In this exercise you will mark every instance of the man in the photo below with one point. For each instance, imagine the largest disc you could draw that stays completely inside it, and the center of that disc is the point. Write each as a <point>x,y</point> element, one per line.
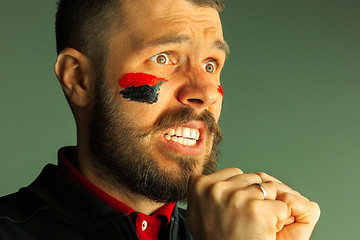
<point>143,81</point>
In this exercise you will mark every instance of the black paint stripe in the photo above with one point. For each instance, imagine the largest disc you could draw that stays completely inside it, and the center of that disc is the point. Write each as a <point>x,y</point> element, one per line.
<point>145,93</point>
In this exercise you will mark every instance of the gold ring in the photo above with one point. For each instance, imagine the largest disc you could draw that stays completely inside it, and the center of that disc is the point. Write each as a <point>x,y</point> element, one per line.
<point>262,189</point>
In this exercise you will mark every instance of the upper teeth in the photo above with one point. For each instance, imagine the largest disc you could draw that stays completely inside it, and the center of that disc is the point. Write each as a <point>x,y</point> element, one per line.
<point>184,136</point>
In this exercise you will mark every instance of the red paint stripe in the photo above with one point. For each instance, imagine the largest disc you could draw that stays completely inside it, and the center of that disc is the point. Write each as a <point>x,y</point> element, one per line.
<point>220,90</point>
<point>138,79</point>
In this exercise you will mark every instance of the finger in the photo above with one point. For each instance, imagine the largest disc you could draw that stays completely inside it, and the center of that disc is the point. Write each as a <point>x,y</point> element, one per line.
<point>224,174</point>
<point>305,214</point>
<point>237,188</point>
<point>290,220</point>
<point>222,190</point>
<point>200,183</point>
<point>266,177</point>
<point>252,192</point>
<point>243,180</point>
<point>267,192</point>
<point>238,182</point>
<point>303,210</point>
<point>282,188</point>
<point>220,175</point>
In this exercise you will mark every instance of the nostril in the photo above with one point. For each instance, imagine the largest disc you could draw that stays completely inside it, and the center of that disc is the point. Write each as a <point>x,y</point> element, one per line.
<point>195,100</point>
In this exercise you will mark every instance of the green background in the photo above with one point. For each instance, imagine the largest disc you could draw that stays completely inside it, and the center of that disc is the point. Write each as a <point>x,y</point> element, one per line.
<point>291,105</point>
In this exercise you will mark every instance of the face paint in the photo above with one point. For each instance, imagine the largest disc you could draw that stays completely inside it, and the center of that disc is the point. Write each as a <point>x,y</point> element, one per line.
<point>220,91</point>
<point>141,87</point>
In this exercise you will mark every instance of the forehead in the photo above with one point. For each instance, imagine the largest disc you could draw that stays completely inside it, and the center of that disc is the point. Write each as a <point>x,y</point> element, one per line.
<point>151,19</point>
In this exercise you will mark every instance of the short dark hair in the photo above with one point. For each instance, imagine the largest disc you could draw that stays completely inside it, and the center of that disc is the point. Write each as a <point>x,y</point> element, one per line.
<point>217,4</point>
<point>88,25</point>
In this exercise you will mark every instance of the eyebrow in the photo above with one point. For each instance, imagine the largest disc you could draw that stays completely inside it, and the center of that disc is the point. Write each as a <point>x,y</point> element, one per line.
<point>165,40</point>
<point>223,46</point>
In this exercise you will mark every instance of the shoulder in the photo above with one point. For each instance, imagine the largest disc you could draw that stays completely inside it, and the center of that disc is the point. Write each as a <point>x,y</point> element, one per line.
<point>16,210</point>
<point>19,206</point>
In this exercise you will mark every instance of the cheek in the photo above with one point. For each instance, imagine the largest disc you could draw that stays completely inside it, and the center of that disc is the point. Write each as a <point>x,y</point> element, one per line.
<point>141,87</point>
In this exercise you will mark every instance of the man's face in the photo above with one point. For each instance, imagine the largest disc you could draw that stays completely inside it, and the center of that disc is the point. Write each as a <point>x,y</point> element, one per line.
<point>155,113</point>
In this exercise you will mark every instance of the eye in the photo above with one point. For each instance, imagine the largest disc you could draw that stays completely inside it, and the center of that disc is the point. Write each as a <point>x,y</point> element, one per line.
<point>162,58</point>
<point>209,67</point>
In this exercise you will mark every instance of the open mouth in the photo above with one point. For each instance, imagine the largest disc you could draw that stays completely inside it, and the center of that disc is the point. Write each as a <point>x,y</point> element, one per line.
<point>183,135</point>
<point>187,139</point>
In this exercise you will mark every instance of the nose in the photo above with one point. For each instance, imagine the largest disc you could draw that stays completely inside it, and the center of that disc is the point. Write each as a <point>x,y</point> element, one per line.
<point>200,92</point>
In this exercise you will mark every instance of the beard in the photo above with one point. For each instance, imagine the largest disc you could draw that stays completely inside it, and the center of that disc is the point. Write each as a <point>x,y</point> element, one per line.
<point>123,155</point>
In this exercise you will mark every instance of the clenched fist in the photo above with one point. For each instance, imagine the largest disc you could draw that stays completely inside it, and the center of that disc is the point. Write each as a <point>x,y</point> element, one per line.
<point>228,205</point>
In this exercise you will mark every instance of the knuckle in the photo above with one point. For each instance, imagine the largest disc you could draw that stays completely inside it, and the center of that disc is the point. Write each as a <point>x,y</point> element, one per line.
<point>255,209</point>
<point>237,170</point>
<point>296,193</point>
<point>289,197</point>
<point>254,177</point>
<point>285,197</point>
<point>216,190</point>
<point>199,180</point>
<point>237,198</point>
<point>282,205</point>
<point>266,177</point>
<point>262,174</point>
<point>316,208</point>
<point>198,183</point>
<point>272,184</point>
<point>284,211</point>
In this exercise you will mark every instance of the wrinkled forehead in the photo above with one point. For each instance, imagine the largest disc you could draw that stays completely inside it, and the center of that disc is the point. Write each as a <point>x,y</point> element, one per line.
<point>159,8</point>
<point>145,17</point>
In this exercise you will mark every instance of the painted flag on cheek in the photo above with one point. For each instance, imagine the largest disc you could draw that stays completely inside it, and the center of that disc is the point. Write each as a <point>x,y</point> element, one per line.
<point>141,87</point>
<point>220,90</point>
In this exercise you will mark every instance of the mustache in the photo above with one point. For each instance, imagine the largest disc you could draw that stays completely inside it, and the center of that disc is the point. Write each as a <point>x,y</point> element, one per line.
<point>178,116</point>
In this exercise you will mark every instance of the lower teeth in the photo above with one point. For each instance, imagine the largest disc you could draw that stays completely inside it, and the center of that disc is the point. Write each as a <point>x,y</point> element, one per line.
<point>181,140</point>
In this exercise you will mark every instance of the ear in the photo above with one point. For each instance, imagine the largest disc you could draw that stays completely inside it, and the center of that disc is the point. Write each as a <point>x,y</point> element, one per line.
<point>73,70</point>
